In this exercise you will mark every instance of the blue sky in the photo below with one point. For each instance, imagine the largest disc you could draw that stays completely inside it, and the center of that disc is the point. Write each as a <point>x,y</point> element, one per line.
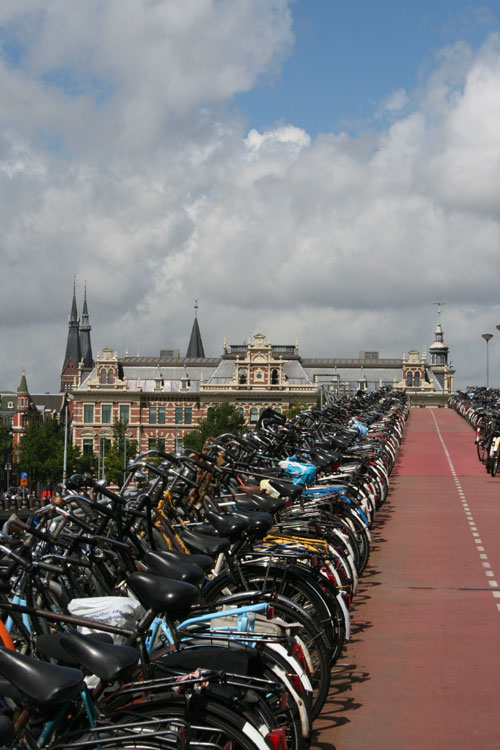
<point>122,164</point>
<point>350,55</point>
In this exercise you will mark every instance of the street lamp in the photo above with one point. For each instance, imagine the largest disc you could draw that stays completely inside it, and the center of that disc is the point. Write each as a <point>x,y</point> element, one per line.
<point>487,337</point>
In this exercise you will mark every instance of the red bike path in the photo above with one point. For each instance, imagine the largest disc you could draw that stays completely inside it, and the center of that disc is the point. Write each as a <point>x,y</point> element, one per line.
<point>422,669</point>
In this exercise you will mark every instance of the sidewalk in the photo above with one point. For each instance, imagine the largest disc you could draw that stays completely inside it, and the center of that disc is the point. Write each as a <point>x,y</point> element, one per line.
<point>423,669</point>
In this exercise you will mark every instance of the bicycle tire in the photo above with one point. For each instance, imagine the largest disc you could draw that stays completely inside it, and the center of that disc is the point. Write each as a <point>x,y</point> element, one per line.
<point>210,722</point>
<point>481,451</point>
<point>298,587</point>
<point>494,463</point>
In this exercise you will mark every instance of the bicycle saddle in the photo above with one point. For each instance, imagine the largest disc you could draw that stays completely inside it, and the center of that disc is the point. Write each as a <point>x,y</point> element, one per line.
<point>205,562</point>
<point>259,502</point>
<point>259,522</point>
<point>179,570</point>
<point>173,598</point>
<point>207,545</point>
<point>286,489</point>
<point>42,682</point>
<point>106,660</point>
<point>227,524</point>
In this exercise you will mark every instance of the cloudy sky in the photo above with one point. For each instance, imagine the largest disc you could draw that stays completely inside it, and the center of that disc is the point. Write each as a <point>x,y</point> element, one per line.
<point>320,169</point>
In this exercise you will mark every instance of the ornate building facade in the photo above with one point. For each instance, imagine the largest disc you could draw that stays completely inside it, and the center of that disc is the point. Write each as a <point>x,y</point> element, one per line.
<point>163,398</point>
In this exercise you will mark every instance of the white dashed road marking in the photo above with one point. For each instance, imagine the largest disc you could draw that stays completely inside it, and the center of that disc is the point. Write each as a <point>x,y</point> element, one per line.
<point>472,525</point>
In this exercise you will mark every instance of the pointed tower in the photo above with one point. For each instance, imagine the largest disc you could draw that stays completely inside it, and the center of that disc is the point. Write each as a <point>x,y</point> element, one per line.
<point>85,328</point>
<point>195,348</point>
<point>438,352</point>
<point>69,372</point>
<point>25,410</point>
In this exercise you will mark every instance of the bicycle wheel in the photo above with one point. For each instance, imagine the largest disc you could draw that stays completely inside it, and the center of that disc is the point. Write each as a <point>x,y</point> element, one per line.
<point>289,581</point>
<point>210,723</point>
<point>481,451</point>
<point>318,649</point>
<point>494,463</point>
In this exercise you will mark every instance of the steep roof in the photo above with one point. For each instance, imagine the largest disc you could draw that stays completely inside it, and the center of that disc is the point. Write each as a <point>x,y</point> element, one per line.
<point>85,328</point>
<point>23,385</point>
<point>195,348</point>
<point>73,350</point>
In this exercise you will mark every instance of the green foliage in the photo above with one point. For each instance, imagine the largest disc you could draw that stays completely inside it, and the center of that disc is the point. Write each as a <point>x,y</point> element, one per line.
<point>41,453</point>
<point>295,408</point>
<point>118,455</point>
<point>5,440</point>
<point>220,419</point>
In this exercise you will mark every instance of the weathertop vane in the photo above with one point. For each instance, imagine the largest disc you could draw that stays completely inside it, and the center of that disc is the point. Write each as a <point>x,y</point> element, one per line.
<point>440,305</point>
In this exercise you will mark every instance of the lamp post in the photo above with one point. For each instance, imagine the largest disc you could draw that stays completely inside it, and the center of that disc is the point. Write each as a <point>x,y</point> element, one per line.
<point>487,337</point>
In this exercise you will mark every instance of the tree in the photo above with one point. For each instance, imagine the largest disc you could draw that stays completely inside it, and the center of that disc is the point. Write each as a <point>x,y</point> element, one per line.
<point>220,419</point>
<point>41,450</point>
<point>295,408</point>
<point>5,440</point>
<point>118,453</point>
<point>41,453</point>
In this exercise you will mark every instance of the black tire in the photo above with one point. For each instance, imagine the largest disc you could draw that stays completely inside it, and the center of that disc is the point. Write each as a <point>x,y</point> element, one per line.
<point>481,451</point>
<point>210,722</point>
<point>290,582</point>
<point>494,463</point>
<point>319,649</point>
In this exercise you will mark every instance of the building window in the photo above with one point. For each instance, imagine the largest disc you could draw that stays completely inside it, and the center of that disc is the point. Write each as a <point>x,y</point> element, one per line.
<point>409,379</point>
<point>178,444</point>
<point>161,415</point>
<point>416,380</point>
<point>151,444</point>
<point>88,413</point>
<point>188,415</point>
<point>111,377</point>
<point>102,378</point>
<point>274,377</point>
<point>161,444</point>
<point>152,415</point>
<point>88,445</point>
<point>242,377</point>
<point>178,414</point>
<point>124,413</point>
<point>254,415</point>
<point>106,413</point>
<point>239,410</point>
<point>10,405</point>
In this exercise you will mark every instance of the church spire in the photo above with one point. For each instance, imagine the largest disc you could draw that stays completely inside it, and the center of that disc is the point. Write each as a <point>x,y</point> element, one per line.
<point>85,328</point>
<point>73,351</point>
<point>195,347</point>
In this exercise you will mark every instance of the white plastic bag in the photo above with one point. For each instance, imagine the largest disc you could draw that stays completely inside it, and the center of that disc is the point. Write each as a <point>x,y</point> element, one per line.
<point>120,611</point>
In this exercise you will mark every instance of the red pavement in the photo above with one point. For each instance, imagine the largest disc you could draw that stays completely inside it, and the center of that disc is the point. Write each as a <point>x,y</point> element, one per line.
<point>423,669</point>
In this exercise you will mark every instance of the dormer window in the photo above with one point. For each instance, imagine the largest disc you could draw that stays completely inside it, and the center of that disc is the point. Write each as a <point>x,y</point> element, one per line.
<point>102,377</point>
<point>275,378</point>
<point>111,377</point>
<point>242,378</point>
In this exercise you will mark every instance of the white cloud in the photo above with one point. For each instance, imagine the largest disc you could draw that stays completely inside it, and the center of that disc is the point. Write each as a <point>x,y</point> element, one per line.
<point>397,101</point>
<point>156,196</point>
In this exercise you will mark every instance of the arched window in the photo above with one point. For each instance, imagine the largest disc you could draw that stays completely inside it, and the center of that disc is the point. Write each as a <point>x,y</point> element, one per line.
<point>111,377</point>
<point>416,380</point>
<point>275,377</point>
<point>409,379</point>
<point>239,410</point>
<point>242,377</point>
<point>102,378</point>
<point>254,415</point>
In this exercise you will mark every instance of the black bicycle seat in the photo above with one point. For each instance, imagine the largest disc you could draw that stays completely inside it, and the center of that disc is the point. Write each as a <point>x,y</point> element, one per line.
<point>179,570</point>
<point>42,682</point>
